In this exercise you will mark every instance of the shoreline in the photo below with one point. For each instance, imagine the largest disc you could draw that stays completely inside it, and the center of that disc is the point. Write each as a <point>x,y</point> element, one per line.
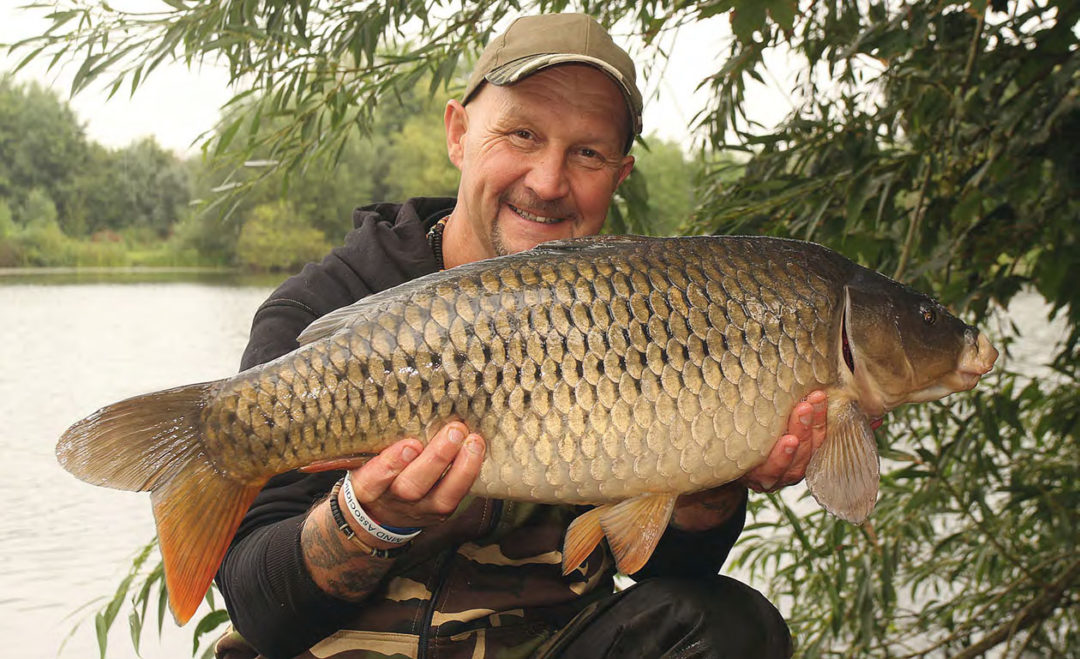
<point>120,269</point>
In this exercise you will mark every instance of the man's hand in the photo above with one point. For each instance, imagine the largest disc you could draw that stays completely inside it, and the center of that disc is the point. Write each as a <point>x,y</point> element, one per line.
<point>410,485</point>
<point>407,484</point>
<point>786,465</point>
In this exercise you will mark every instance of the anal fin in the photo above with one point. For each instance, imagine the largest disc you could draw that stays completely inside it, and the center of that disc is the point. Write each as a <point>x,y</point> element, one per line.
<point>633,527</point>
<point>843,474</point>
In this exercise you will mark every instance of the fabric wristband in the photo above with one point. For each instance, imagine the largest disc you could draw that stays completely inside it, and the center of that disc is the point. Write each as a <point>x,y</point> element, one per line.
<point>341,523</point>
<point>370,525</point>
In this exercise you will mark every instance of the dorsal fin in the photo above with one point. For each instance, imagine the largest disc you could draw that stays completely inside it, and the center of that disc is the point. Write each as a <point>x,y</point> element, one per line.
<point>364,308</point>
<point>586,243</point>
<point>337,319</point>
<point>343,317</point>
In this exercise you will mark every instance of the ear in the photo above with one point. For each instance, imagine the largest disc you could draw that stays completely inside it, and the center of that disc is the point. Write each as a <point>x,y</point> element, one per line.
<point>625,168</point>
<point>456,122</point>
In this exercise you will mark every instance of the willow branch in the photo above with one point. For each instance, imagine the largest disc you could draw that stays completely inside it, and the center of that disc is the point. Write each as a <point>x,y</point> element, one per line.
<point>1036,611</point>
<point>916,219</point>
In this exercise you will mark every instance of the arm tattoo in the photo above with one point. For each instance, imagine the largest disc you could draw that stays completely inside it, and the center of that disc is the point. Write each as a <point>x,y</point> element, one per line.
<point>334,563</point>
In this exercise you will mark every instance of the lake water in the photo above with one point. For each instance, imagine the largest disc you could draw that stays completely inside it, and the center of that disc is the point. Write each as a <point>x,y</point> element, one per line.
<point>67,348</point>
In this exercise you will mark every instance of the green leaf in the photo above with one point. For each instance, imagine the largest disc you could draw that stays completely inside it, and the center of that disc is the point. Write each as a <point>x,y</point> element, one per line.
<point>135,627</point>
<point>226,136</point>
<point>783,12</point>
<point>747,18</point>
<point>101,628</point>
<point>208,623</point>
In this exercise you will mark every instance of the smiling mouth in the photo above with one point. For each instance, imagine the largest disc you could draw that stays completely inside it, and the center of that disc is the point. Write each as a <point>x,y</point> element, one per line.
<point>540,219</point>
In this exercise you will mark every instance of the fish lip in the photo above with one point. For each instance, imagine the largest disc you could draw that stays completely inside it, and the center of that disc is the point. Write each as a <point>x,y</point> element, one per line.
<point>977,360</point>
<point>968,380</point>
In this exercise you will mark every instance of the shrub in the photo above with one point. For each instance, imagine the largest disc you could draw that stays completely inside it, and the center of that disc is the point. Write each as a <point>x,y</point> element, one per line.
<point>275,238</point>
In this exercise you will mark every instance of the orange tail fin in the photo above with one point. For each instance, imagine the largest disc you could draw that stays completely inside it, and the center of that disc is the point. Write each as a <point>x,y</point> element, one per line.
<point>154,442</point>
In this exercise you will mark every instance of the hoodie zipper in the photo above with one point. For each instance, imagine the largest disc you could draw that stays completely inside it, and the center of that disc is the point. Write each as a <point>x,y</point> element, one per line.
<point>443,563</point>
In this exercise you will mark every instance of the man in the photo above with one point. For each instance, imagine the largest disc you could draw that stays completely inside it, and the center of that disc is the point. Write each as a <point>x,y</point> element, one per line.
<point>541,138</point>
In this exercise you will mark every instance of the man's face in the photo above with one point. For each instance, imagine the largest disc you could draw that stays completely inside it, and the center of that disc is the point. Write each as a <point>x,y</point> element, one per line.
<point>539,161</point>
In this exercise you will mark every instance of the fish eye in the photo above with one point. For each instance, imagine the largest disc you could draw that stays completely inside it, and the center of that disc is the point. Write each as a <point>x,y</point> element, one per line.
<point>929,316</point>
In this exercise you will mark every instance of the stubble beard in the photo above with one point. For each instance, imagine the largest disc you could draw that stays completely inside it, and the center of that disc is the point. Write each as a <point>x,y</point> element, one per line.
<point>498,244</point>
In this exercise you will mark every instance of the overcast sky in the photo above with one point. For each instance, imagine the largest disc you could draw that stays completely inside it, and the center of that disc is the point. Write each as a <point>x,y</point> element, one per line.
<point>176,104</point>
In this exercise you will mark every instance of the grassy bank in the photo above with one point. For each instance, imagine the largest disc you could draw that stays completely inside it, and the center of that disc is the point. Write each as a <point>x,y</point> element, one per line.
<point>47,246</point>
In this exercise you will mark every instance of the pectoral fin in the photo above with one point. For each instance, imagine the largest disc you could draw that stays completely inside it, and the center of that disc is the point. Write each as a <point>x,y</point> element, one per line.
<point>582,536</point>
<point>843,474</point>
<point>633,527</point>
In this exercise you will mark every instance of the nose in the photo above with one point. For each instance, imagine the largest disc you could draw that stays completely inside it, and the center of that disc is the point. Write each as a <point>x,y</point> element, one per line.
<point>548,176</point>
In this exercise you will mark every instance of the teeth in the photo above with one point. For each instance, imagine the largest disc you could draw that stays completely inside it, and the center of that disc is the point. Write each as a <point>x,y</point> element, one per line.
<point>535,218</point>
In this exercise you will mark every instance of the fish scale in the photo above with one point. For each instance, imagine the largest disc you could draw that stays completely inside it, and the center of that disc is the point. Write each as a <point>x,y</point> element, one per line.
<point>585,392</point>
<point>616,371</point>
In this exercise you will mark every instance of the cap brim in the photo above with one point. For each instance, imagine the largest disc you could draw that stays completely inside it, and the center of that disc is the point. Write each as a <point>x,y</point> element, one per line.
<point>513,71</point>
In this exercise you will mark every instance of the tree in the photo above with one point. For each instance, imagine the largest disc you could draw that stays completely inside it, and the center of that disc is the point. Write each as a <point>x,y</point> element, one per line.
<point>931,144</point>
<point>932,140</point>
<point>43,148</point>
<point>46,157</point>
<point>673,179</point>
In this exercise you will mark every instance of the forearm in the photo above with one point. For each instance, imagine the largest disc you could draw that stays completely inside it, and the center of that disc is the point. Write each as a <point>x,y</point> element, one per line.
<point>266,579</point>
<point>709,509</point>
<point>272,600</point>
<point>335,562</point>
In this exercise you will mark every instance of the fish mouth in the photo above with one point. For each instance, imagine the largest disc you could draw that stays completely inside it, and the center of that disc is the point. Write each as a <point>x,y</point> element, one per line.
<point>533,217</point>
<point>976,361</point>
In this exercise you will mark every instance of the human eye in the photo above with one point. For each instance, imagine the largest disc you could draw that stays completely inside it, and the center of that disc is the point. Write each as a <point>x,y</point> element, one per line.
<point>522,135</point>
<point>590,158</point>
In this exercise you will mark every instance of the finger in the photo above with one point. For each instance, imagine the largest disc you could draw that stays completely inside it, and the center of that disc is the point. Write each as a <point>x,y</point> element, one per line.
<point>448,492</point>
<point>416,480</point>
<point>801,420</point>
<point>371,480</point>
<point>796,470</point>
<point>817,400</point>
<point>784,457</point>
<point>764,477</point>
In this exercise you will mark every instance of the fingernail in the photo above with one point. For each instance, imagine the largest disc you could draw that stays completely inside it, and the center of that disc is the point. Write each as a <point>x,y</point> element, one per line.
<point>408,453</point>
<point>806,420</point>
<point>455,436</point>
<point>819,408</point>
<point>474,447</point>
<point>789,449</point>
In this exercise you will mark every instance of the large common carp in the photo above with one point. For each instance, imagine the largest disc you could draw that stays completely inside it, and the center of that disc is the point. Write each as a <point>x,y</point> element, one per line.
<point>617,371</point>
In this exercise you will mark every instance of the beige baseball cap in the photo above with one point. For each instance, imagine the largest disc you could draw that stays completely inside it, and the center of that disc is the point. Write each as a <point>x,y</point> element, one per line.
<point>534,43</point>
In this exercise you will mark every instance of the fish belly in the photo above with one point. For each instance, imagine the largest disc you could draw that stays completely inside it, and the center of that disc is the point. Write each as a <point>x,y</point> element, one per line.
<point>594,373</point>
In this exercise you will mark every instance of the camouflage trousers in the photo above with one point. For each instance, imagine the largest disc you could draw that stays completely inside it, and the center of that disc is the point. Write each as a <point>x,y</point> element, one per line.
<point>718,618</point>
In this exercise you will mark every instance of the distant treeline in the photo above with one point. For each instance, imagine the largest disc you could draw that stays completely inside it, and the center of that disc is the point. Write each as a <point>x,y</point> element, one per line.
<point>68,201</point>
